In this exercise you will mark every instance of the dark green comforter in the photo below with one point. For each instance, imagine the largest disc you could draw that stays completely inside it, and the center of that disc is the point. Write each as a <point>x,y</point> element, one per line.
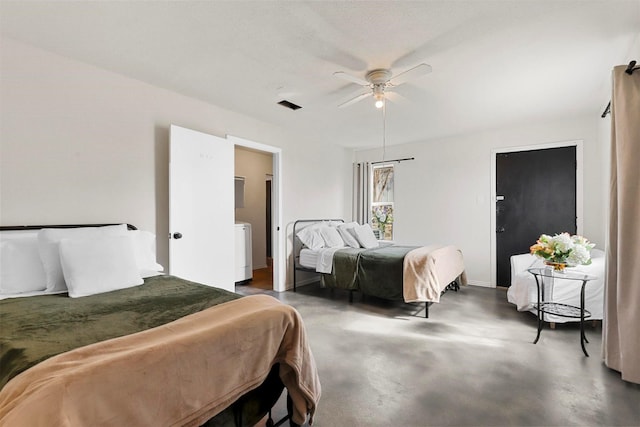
<point>344,274</point>
<point>377,271</point>
<point>380,271</point>
<point>33,329</point>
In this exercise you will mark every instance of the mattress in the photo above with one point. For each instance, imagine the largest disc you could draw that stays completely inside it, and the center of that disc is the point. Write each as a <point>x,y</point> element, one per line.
<point>309,258</point>
<point>174,318</point>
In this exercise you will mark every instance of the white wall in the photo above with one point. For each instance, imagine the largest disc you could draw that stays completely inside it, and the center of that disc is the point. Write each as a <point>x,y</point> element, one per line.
<point>254,166</point>
<point>81,144</point>
<point>443,196</point>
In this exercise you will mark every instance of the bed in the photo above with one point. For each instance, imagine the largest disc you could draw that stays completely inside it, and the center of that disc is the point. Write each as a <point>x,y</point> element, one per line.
<point>376,268</point>
<point>162,352</point>
<point>523,290</point>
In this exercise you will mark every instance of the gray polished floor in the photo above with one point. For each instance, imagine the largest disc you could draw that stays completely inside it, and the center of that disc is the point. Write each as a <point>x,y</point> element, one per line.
<point>471,363</point>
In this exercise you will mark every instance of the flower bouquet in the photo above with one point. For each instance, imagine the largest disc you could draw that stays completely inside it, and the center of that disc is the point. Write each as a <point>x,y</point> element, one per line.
<point>563,250</point>
<point>383,216</point>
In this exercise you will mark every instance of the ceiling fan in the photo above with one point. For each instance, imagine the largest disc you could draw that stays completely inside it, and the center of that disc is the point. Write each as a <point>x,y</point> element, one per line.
<point>380,81</point>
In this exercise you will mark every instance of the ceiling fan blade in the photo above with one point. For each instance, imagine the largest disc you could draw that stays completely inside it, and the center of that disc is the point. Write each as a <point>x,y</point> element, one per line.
<point>351,78</point>
<point>411,73</point>
<point>395,97</point>
<point>356,99</point>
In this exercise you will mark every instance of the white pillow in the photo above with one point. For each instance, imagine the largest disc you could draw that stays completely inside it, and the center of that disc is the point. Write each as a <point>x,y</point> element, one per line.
<point>331,237</point>
<point>144,246</point>
<point>310,236</point>
<point>96,265</point>
<point>349,239</point>
<point>364,234</point>
<point>20,266</point>
<point>49,241</point>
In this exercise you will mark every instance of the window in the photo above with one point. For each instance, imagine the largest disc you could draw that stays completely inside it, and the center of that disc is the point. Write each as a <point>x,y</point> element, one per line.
<point>382,201</point>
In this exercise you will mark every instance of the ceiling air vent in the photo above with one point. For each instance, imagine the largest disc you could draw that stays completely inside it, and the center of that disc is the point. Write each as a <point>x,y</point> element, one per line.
<point>290,105</point>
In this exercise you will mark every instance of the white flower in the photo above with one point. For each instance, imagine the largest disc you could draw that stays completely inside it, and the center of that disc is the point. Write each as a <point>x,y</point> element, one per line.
<point>563,242</point>
<point>563,248</point>
<point>581,241</point>
<point>579,255</point>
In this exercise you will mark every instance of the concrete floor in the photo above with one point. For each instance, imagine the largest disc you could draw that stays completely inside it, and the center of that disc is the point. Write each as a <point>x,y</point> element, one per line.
<point>471,363</point>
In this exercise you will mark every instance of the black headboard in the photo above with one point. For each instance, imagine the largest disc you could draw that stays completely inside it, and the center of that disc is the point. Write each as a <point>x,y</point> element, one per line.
<point>297,244</point>
<point>38,227</point>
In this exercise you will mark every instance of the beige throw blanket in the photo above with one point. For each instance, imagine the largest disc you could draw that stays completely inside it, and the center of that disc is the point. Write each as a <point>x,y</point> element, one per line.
<point>178,374</point>
<point>428,270</point>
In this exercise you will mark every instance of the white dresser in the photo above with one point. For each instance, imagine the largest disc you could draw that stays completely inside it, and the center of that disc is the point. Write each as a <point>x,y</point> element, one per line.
<point>243,261</point>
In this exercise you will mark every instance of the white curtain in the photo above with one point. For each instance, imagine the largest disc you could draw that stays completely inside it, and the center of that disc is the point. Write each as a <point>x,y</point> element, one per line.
<point>361,197</point>
<point>621,328</point>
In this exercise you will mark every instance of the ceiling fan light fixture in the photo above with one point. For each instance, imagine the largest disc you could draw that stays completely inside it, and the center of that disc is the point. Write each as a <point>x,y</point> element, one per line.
<point>378,94</point>
<point>380,79</point>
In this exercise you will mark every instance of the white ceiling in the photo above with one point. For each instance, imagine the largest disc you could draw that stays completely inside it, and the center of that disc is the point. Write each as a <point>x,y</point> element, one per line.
<point>495,63</point>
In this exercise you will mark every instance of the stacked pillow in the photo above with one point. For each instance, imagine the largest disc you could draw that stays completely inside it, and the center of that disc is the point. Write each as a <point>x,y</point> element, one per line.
<point>348,236</point>
<point>337,235</point>
<point>21,270</point>
<point>83,261</point>
<point>364,235</point>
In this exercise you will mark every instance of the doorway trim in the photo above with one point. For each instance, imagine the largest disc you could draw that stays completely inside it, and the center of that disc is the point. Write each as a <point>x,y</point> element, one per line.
<point>579,189</point>
<point>279,267</point>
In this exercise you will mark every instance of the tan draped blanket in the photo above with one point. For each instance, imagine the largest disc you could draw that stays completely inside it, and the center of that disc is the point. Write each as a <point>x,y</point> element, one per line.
<point>428,270</point>
<point>179,374</point>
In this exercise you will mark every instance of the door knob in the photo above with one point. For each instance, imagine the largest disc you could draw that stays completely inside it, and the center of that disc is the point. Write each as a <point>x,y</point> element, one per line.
<point>500,230</point>
<point>177,235</point>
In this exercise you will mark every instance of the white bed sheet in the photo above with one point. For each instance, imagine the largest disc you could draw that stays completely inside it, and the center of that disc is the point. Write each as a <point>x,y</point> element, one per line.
<point>323,259</point>
<point>523,289</point>
<point>308,258</point>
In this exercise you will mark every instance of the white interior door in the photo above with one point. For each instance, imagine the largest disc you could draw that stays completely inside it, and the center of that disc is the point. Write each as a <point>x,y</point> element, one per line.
<point>201,203</point>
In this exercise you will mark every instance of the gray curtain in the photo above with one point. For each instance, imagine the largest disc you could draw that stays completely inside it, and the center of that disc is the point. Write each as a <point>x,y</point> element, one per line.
<point>621,328</point>
<point>361,197</point>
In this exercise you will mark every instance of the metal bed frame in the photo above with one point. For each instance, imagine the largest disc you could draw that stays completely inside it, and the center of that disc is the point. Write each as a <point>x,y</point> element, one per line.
<point>237,405</point>
<point>38,227</point>
<point>297,246</point>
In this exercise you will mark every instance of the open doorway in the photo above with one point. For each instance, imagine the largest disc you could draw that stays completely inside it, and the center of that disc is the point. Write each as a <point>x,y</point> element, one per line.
<point>254,213</point>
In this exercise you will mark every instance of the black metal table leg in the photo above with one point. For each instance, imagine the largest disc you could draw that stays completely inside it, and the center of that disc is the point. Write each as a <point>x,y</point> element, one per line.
<point>540,312</point>
<point>583,338</point>
<point>546,303</point>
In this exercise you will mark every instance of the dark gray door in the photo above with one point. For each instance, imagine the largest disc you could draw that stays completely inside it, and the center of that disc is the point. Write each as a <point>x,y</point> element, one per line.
<point>268,218</point>
<point>536,193</point>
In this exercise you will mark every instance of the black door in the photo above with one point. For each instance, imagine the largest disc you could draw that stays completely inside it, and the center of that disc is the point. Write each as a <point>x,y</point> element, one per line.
<point>535,194</point>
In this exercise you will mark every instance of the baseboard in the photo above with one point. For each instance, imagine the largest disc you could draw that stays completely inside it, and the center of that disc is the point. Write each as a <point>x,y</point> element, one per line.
<point>311,280</point>
<point>479,283</point>
<point>303,282</point>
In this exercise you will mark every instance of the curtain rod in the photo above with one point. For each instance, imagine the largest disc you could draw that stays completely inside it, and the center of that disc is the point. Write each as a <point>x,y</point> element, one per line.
<point>395,160</point>
<point>630,69</point>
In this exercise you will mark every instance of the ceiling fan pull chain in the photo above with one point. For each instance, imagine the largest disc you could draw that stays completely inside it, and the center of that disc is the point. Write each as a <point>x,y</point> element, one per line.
<point>384,130</point>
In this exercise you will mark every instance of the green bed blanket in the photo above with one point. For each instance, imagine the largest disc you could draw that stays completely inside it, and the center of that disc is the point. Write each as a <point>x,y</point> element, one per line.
<point>377,271</point>
<point>380,271</point>
<point>33,329</point>
<point>344,274</point>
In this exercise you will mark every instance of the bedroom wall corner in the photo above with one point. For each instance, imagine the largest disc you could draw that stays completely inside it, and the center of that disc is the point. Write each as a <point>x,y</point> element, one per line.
<point>81,144</point>
<point>452,204</point>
